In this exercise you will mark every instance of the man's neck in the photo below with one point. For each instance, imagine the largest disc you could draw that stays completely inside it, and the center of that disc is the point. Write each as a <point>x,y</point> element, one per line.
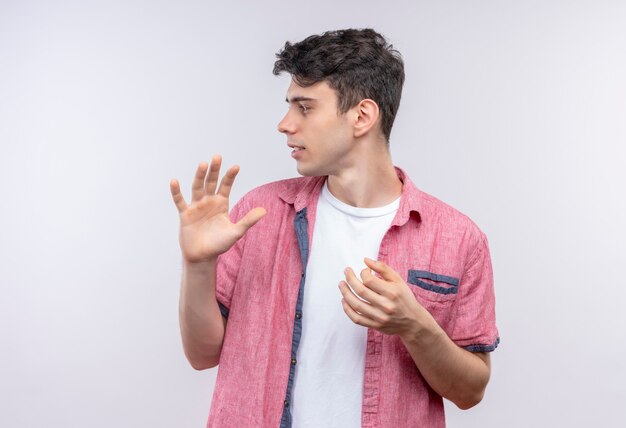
<point>369,181</point>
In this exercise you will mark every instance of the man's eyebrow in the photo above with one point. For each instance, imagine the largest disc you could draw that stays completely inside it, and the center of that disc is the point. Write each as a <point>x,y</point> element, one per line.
<point>298,99</point>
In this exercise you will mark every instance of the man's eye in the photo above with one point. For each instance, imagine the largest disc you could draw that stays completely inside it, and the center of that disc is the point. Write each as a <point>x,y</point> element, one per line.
<point>303,108</point>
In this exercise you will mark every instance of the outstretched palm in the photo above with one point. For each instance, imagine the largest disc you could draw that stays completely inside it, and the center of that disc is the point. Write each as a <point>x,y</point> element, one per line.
<point>205,228</point>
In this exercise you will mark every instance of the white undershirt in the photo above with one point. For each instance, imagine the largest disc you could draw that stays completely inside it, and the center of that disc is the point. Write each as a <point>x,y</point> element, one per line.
<point>328,383</point>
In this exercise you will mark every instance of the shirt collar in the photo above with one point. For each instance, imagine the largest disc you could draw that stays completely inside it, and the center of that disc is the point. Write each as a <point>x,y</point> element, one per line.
<point>305,191</point>
<point>309,190</point>
<point>410,200</point>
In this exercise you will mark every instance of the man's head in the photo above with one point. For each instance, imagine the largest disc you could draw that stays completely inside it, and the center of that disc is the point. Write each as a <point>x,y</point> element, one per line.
<point>356,64</point>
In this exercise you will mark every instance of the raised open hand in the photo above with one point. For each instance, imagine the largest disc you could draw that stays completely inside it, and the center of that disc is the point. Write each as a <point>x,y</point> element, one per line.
<point>205,228</point>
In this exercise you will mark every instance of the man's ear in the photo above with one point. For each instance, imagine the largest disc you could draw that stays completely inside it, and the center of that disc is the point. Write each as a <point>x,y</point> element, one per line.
<point>366,117</point>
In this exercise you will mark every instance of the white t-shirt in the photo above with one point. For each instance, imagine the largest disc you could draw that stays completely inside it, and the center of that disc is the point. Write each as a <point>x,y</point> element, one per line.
<point>328,383</point>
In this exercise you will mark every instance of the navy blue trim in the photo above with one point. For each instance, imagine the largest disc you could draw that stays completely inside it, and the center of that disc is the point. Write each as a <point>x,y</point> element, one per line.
<point>223,309</point>
<point>414,276</point>
<point>302,232</point>
<point>483,348</point>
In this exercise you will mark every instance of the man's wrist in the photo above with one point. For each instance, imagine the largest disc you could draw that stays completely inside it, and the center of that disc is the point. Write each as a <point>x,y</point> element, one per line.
<point>199,268</point>
<point>423,331</point>
<point>200,264</point>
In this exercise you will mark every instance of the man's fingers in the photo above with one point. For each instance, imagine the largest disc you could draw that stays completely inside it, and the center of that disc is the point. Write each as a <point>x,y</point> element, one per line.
<point>210,183</point>
<point>355,316</point>
<point>367,275</point>
<point>179,201</point>
<point>250,219</point>
<point>197,187</point>
<point>227,181</point>
<point>374,283</point>
<point>385,272</point>
<point>358,288</point>
<point>357,304</point>
<point>353,300</point>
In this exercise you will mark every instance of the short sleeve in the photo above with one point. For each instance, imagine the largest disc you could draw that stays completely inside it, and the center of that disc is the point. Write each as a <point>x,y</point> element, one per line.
<point>475,321</point>
<point>228,264</point>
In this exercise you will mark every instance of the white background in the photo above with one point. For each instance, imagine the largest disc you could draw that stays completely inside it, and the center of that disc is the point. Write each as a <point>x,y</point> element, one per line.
<point>514,112</point>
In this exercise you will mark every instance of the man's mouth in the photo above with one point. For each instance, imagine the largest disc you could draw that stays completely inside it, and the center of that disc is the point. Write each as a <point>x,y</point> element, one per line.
<point>295,153</point>
<point>295,147</point>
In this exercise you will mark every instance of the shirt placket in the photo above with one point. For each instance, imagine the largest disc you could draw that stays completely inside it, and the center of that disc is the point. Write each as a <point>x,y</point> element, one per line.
<point>370,416</point>
<point>301,227</point>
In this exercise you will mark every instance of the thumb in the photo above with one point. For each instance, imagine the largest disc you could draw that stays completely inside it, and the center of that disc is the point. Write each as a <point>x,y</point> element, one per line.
<point>251,218</point>
<point>385,271</point>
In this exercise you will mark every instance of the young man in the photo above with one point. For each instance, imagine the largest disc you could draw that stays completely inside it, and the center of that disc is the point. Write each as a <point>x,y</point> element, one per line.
<point>357,299</point>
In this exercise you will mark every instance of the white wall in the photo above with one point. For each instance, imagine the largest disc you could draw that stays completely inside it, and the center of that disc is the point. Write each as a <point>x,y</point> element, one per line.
<point>514,112</point>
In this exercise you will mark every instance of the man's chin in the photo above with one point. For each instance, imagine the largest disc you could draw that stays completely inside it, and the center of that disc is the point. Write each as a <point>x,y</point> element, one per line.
<point>316,170</point>
<point>303,171</point>
<point>309,171</point>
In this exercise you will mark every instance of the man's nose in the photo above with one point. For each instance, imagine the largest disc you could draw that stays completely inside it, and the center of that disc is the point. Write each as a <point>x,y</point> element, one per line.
<point>286,125</point>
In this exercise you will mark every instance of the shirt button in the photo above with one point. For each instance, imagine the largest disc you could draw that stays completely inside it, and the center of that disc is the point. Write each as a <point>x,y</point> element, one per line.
<point>286,403</point>
<point>298,315</point>
<point>294,361</point>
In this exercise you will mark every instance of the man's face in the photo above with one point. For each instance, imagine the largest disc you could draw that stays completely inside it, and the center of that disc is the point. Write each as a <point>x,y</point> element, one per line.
<point>320,138</point>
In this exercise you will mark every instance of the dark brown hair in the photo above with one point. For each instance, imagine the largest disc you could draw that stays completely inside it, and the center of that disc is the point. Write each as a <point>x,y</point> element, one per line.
<point>356,63</point>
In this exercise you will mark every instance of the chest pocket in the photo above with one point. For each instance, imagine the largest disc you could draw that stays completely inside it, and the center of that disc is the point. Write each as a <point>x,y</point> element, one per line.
<point>433,287</point>
<point>436,293</point>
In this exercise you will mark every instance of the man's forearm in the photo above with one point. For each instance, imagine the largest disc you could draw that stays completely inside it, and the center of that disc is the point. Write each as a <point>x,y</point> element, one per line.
<point>201,322</point>
<point>454,373</point>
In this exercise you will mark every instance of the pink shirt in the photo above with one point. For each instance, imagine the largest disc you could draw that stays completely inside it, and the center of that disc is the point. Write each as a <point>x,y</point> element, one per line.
<point>440,252</point>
